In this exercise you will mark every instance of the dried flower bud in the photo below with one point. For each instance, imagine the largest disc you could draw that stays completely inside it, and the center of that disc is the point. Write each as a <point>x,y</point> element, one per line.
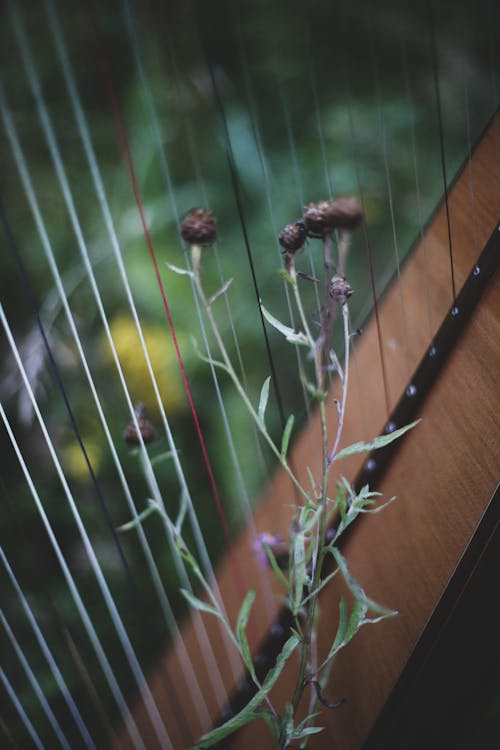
<point>146,429</point>
<point>340,289</point>
<point>198,227</point>
<point>292,237</point>
<point>323,217</point>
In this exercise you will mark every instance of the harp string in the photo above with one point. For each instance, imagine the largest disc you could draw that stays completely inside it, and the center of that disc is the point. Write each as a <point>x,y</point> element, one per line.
<point>439,116</point>
<point>106,667</point>
<point>84,675</point>
<point>233,173</point>
<point>388,184</point>
<point>130,655</point>
<point>49,657</point>
<point>243,497</point>
<point>20,710</point>
<point>212,667</point>
<point>367,245</point>
<point>137,600</point>
<point>34,684</point>
<point>127,156</point>
<point>416,172</point>
<point>256,131</point>
<point>414,139</point>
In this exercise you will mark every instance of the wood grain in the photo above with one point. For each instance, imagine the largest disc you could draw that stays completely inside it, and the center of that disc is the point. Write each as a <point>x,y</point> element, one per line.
<point>443,476</point>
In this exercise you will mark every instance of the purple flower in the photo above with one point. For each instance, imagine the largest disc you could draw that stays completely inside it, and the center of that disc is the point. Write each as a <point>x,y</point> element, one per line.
<point>276,543</point>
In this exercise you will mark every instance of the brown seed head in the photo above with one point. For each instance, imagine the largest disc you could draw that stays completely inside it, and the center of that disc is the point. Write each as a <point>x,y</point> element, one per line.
<point>323,217</point>
<point>292,237</point>
<point>340,289</point>
<point>146,429</point>
<point>198,227</point>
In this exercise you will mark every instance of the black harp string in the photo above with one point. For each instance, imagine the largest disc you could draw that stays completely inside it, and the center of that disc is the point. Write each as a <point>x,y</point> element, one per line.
<point>440,129</point>
<point>233,174</point>
<point>265,168</point>
<point>416,172</point>
<point>369,252</point>
<point>243,496</point>
<point>375,66</point>
<point>200,181</point>
<point>328,169</point>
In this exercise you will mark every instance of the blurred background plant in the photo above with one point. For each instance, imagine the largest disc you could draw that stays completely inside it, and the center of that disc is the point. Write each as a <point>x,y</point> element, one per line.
<point>319,99</point>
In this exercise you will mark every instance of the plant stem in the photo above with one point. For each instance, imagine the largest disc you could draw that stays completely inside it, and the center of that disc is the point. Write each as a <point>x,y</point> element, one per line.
<point>345,316</point>
<point>195,254</point>
<point>322,526</point>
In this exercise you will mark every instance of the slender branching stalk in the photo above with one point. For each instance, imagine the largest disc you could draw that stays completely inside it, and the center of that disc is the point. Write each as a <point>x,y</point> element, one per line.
<point>309,543</point>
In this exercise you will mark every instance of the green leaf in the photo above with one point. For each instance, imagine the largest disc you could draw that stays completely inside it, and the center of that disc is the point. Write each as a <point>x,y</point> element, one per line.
<point>200,605</point>
<point>356,620</point>
<point>274,565</point>
<point>298,570</point>
<point>249,713</point>
<point>138,520</point>
<point>292,336</point>
<point>208,360</point>
<point>298,734</point>
<point>286,436</point>
<point>180,271</point>
<point>264,396</point>
<point>240,630</point>
<point>315,392</point>
<point>166,455</point>
<point>220,292</point>
<point>283,274</point>
<point>378,442</point>
<point>183,508</point>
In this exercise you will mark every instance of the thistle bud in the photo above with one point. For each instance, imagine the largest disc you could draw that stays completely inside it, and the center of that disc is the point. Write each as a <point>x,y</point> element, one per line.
<point>340,289</point>
<point>323,217</point>
<point>198,227</point>
<point>146,429</point>
<point>292,237</point>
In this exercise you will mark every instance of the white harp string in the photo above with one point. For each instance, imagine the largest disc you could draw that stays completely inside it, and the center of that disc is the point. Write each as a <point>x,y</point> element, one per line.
<point>242,497</point>
<point>84,615</point>
<point>186,665</point>
<point>35,684</point>
<point>49,657</point>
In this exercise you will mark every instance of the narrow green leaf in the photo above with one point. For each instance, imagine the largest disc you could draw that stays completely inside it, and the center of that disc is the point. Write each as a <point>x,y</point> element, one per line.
<point>137,521</point>
<point>249,713</point>
<point>161,457</point>
<point>286,436</point>
<point>378,442</point>
<point>180,271</point>
<point>220,292</point>
<point>274,565</point>
<point>183,508</point>
<point>264,396</point>
<point>299,734</point>
<point>303,729</point>
<point>315,392</point>
<point>208,360</point>
<point>199,604</point>
<point>283,274</point>
<point>240,630</point>
<point>292,336</point>
<point>356,620</point>
<point>299,570</point>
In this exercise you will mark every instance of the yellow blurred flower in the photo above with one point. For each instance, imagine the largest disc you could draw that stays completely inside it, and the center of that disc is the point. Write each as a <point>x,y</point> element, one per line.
<point>74,461</point>
<point>163,358</point>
